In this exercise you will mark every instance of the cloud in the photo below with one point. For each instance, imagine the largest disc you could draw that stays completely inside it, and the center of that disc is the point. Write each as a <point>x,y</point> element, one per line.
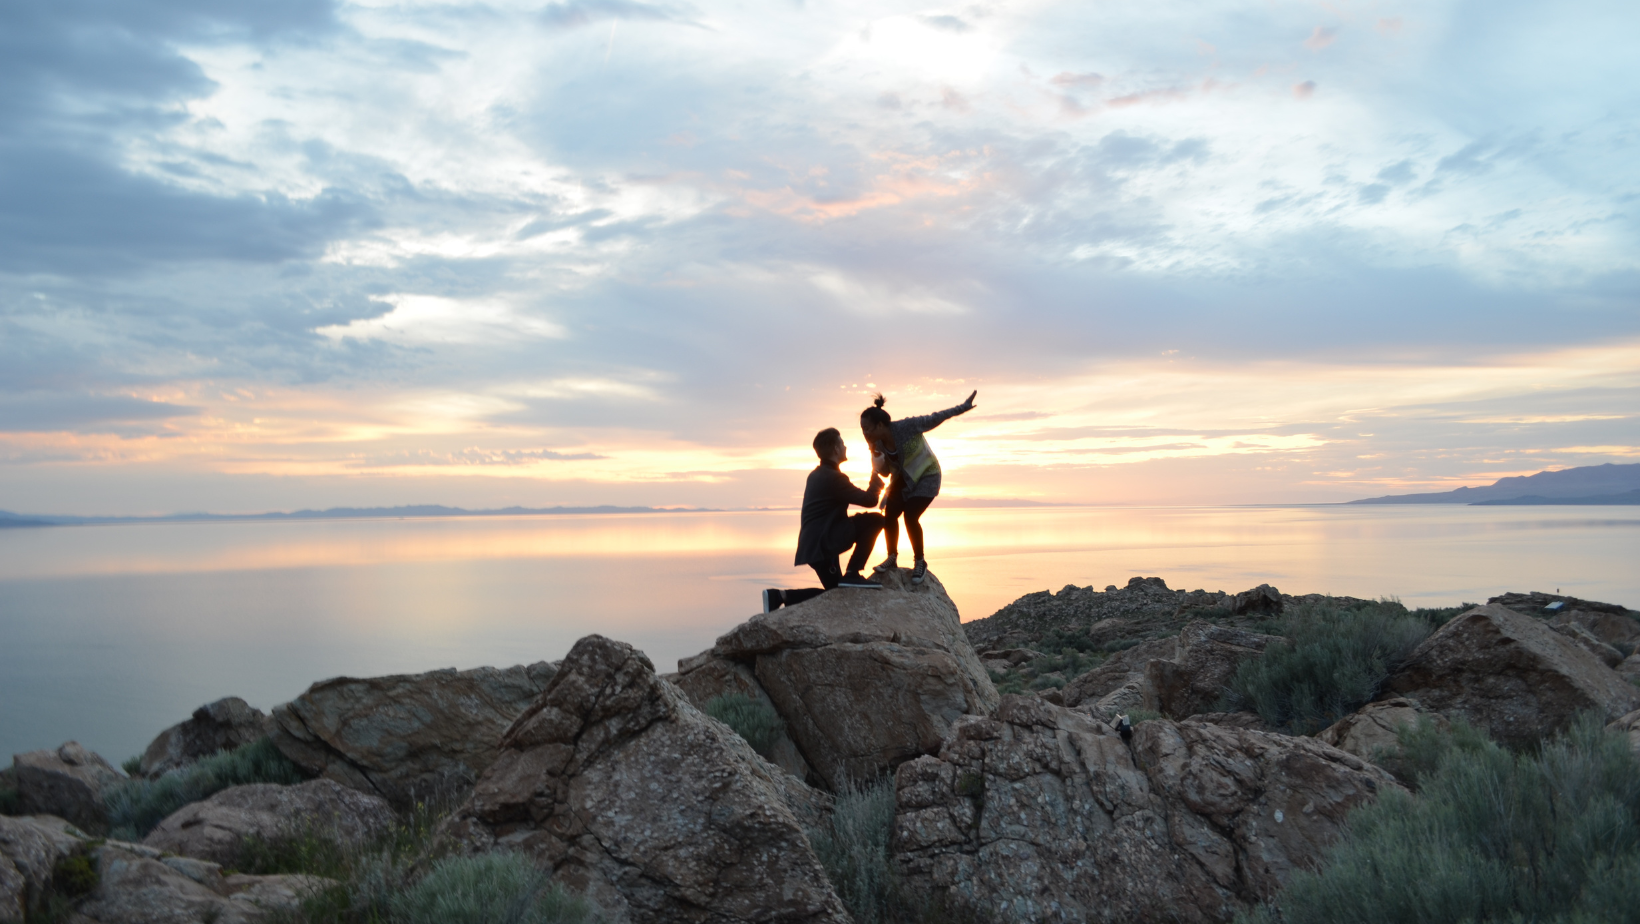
<point>1068,79</point>
<point>427,319</point>
<point>945,23</point>
<point>1304,90</point>
<point>471,456</point>
<point>1321,38</point>
<point>572,13</point>
<point>39,412</point>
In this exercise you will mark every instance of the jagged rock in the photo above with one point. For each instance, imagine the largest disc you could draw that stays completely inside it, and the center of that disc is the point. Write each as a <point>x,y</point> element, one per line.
<point>631,796</point>
<point>1043,814</point>
<point>1121,669</point>
<point>215,829</point>
<point>712,677</point>
<point>1247,720</point>
<point>865,679</point>
<point>1199,675</point>
<point>30,847</point>
<point>135,884</point>
<point>1013,657</point>
<point>67,782</point>
<point>1369,733</point>
<point>406,736</point>
<point>1262,600</point>
<point>223,725</point>
<point>139,885</point>
<point>1629,669</point>
<point>1613,624</point>
<point>1587,641</point>
<point>1511,675</point>
<point>1630,726</point>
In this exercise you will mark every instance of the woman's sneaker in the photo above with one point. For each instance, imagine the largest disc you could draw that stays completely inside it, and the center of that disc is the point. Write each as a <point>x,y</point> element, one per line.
<point>890,563</point>
<point>919,571</point>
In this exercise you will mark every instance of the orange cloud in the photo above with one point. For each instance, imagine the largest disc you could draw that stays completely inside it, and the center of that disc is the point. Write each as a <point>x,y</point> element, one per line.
<point>1321,38</point>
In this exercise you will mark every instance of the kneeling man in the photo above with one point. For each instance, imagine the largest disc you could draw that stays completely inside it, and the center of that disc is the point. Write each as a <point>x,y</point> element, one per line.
<point>827,530</point>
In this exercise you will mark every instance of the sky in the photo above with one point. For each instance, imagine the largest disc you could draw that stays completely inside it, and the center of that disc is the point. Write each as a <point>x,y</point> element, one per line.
<point>267,256</point>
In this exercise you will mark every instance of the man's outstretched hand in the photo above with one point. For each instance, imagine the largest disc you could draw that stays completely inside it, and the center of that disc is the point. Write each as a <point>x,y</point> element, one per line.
<point>876,482</point>
<point>969,404</point>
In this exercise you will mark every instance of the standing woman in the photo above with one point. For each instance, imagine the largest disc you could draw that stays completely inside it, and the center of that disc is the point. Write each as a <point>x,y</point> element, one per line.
<point>915,481</point>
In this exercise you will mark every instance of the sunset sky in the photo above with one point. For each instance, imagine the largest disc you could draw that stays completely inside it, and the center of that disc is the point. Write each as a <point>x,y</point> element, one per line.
<point>304,254</point>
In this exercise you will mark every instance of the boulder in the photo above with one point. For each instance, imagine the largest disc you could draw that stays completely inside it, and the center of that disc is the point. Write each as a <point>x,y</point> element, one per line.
<point>1042,813</point>
<point>631,796</point>
<point>1613,624</point>
<point>67,782</point>
<point>1629,725</point>
<point>223,725</point>
<point>1369,733</point>
<point>1589,642</point>
<point>135,884</point>
<point>215,828</point>
<point>1119,670</point>
<point>407,736</point>
<point>1629,669</point>
<point>714,677</point>
<point>1511,675</point>
<point>865,679</point>
<point>139,885</point>
<point>1262,600</point>
<point>1199,675</point>
<point>30,847</point>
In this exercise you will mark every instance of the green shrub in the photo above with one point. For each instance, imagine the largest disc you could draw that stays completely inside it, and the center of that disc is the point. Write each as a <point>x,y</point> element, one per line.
<point>752,719</point>
<point>1490,836</point>
<point>8,800</point>
<point>1333,660</point>
<point>491,888</point>
<point>132,766</point>
<point>136,806</point>
<point>853,847</point>
<point>73,875</point>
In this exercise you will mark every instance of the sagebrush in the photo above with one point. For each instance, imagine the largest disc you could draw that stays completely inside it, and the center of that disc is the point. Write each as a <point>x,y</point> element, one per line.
<point>1551,836</point>
<point>136,806</point>
<point>752,719</point>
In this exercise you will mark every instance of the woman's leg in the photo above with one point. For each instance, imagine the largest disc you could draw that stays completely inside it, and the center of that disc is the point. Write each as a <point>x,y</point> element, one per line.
<point>913,523</point>
<point>891,529</point>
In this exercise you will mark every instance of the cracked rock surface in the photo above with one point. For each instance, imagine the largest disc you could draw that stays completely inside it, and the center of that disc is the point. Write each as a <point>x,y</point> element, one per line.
<point>628,794</point>
<point>1042,813</point>
<point>406,736</point>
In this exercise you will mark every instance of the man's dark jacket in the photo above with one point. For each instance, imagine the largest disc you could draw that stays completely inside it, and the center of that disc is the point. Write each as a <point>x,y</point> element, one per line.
<point>826,529</point>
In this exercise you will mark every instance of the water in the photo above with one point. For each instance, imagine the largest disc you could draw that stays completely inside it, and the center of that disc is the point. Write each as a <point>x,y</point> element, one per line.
<point>110,633</point>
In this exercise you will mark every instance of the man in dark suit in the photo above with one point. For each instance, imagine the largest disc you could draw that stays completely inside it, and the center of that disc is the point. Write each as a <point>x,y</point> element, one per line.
<point>827,530</point>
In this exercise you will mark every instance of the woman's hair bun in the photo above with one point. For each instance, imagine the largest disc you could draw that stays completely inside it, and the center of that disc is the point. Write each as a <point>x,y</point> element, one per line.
<point>878,400</point>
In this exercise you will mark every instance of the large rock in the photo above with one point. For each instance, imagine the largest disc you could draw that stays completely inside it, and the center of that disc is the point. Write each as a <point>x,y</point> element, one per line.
<point>67,782</point>
<point>1611,623</point>
<point>30,847</point>
<point>1629,725</point>
<point>1043,813</point>
<point>865,679</point>
<point>226,724</point>
<point>140,885</point>
<point>216,828</point>
<point>1370,733</point>
<point>407,736</point>
<point>1511,675</point>
<point>1199,675</point>
<point>631,796</point>
<point>709,678</point>
<point>135,884</point>
<point>1126,667</point>
<point>1589,642</point>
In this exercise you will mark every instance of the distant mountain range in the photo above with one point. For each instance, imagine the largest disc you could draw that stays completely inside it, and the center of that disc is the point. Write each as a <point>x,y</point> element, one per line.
<point>7,518</point>
<point>1589,484</point>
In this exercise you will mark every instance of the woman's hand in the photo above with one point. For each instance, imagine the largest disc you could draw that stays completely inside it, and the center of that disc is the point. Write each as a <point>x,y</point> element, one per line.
<point>968,405</point>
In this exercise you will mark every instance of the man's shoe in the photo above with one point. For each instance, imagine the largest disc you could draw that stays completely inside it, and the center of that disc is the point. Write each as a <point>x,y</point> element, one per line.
<point>919,571</point>
<point>889,564</point>
<point>773,599</point>
<point>853,579</point>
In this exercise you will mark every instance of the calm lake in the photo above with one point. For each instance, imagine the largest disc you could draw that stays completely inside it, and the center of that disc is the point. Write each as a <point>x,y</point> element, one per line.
<point>108,634</point>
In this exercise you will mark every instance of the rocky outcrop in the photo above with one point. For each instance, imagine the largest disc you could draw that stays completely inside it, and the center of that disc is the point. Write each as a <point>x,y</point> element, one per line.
<point>223,725</point>
<point>710,678</point>
<point>216,828</point>
<point>864,680</point>
<point>1121,669</point>
<point>631,796</point>
<point>406,736</point>
<point>1042,813</point>
<point>1511,675</point>
<point>133,883</point>
<point>1199,675</point>
<point>1613,624</point>
<point>1262,600</point>
<point>67,782</point>
<point>1370,732</point>
<point>1587,641</point>
<point>30,847</point>
<point>140,885</point>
